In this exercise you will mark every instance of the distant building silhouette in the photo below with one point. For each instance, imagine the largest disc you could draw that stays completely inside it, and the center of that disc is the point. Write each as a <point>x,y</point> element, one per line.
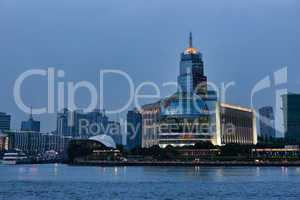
<point>114,130</point>
<point>134,129</point>
<point>291,113</point>
<point>4,121</point>
<point>31,125</point>
<point>79,124</point>
<point>266,122</point>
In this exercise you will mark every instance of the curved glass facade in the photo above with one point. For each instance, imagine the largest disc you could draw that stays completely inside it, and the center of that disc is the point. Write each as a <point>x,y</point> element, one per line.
<point>184,105</point>
<point>184,120</point>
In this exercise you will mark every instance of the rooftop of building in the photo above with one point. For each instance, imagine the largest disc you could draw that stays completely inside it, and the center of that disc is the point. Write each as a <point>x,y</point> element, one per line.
<point>237,107</point>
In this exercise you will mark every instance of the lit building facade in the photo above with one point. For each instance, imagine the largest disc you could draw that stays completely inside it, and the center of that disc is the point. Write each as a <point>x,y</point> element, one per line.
<point>150,124</point>
<point>3,142</point>
<point>191,77</point>
<point>33,143</point>
<point>238,125</point>
<point>193,114</point>
<point>184,120</point>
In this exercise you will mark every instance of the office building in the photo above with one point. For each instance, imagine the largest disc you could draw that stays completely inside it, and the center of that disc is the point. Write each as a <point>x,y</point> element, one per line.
<point>193,114</point>
<point>238,125</point>
<point>114,130</point>
<point>30,125</point>
<point>291,113</point>
<point>34,143</point>
<point>150,124</point>
<point>4,121</point>
<point>134,129</point>
<point>77,124</point>
<point>267,122</point>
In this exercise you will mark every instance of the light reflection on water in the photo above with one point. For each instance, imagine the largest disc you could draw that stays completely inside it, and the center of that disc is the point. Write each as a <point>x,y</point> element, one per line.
<point>44,172</point>
<point>55,181</point>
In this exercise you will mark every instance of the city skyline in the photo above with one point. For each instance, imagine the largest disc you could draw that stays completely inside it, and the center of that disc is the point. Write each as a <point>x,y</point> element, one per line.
<point>149,99</point>
<point>261,47</point>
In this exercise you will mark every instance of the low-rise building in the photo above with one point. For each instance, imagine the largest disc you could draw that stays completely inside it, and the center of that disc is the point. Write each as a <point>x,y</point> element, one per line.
<point>238,125</point>
<point>97,148</point>
<point>34,143</point>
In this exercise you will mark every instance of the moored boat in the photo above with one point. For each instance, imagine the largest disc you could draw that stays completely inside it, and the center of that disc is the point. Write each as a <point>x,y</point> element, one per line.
<point>12,158</point>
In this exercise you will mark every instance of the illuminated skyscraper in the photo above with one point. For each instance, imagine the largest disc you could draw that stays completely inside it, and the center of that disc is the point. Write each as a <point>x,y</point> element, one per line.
<point>193,114</point>
<point>191,78</point>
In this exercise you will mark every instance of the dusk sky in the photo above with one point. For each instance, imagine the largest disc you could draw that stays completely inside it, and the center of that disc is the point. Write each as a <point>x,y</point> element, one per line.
<point>241,41</point>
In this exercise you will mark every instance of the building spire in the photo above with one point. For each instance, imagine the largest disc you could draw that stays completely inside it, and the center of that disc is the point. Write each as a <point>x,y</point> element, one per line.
<point>190,49</point>
<point>30,116</point>
<point>191,40</point>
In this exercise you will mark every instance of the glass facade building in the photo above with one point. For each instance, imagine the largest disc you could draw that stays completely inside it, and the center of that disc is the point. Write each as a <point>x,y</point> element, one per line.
<point>191,77</point>
<point>184,120</point>
<point>193,114</point>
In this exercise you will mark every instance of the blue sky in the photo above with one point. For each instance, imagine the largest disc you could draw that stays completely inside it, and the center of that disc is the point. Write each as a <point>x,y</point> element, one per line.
<point>241,41</point>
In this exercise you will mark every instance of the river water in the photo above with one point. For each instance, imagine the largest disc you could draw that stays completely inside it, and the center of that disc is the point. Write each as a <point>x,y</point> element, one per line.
<point>55,181</point>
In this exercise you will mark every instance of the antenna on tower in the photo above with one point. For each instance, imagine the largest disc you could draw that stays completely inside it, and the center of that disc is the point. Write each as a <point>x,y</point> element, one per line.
<point>191,40</point>
<point>30,116</point>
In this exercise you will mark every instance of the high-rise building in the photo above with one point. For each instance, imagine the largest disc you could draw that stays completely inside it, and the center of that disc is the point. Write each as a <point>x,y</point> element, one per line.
<point>266,122</point>
<point>64,123</point>
<point>30,125</point>
<point>150,124</point>
<point>114,131</point>
<point>191,78</point>
<point>134,129</point>
<point>4,121</point>
<point>184,117</point>
<point>291,113</point>
<point>81,125</point>
<point>193,114</point>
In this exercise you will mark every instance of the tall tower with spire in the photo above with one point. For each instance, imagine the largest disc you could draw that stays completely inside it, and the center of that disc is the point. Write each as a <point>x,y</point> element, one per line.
<point>191,77</point>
